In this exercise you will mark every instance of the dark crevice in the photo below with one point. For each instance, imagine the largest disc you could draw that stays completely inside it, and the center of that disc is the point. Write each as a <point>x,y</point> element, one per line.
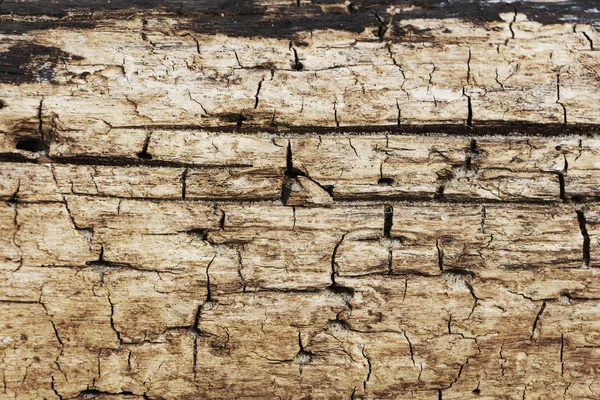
<point>440,254</point>
<point>537,320</point>
<point>333,254</point>
<point>184,183</point>
<point>144,155</point>
<point>469,68</point>
<point>208,291</point>
<point>237,59</point>
<point>586,238</point>
<point>561,180</point>
<point>388,221</point>
<point>239,271</point>
<point>296,64</point>
<point>222,221</point>
<point>469,113</point>
<point>41,121</point>
<point>382,27</point>
<point>558,99</point>
<point>510,27</point>
<point>410,348</point>
<point>112,322</point>
<point>52,385</point>
<point>589,39</point>
<point>439,192</point>
<point>562,349</point>
<point>472,153</point>
<point>483,215</point>
<point>370,368</point>
<point>256,98</point>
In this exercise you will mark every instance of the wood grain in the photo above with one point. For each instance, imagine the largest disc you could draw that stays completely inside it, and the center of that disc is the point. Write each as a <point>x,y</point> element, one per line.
<point>299,200</point>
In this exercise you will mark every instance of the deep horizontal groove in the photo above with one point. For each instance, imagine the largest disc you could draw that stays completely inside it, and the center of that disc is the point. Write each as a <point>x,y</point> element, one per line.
<point>116,162</point>
<point>483,128</point>
<point>411,202</point>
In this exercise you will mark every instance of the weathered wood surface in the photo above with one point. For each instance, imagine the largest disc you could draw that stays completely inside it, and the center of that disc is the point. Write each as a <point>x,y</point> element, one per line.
<point>299,200</point>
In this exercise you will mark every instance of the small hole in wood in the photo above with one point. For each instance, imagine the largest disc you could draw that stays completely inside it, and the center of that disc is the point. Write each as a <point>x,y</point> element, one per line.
<point>2,104</point>
<point>385,182</point>
<point>30,144</point>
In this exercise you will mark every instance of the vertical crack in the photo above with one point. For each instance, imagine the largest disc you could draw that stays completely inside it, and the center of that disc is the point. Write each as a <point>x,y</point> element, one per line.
<point>483,215</point>
<point>562,348</point>
<point>471,153</point>
<point>237,58</point>
<point>197,44</point>
<point>208,302</point>
<point>286,189</point>
<point>296,64</point>
<point>129,360</point>
<point>382,27</point>
<point>239,271</point>
<point>537,320</point>
<point>469,68</point>
<point>335,115</point>
<point>469,122</point>
<point>184,183</point>
<point>410,348</point>
<point>112,322</point>
<point>511,29</point>
<point>352,146</point>
<point>370,368</point>
<point>473,295</point>
<point>430,83</point>
<point>333,254</point>
<point>195,356</point>
<point>399,118</point>
<point>561,179</point>
<point>41,121</point>
<point>144,153</point>
<point>303,357</point>
<point>14,203</point>
<point>439,192</point>
<point>52,385</point>
<point>388,221</point>
<point>498,80</point>
<point>586,238</point>
<point>440,254</point>
<point>258,92</point>
<point>589,39</point>
<point>558,99</point>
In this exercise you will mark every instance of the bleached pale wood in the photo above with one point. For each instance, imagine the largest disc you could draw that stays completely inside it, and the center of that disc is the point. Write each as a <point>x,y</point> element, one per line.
<point>299,200</point>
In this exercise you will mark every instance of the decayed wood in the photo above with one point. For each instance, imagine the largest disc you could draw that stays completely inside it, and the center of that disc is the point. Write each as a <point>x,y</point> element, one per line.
<point>299,200</point>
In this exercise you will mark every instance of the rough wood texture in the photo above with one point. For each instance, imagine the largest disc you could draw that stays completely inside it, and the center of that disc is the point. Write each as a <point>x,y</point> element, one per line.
<point>299,200</point>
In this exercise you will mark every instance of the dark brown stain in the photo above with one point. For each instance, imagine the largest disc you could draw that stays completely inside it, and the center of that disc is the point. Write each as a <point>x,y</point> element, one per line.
<point>28,62</point>
<point>252,19</point>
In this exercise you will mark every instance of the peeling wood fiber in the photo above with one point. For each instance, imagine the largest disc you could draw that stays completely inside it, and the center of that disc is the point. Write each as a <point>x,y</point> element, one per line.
<point>299,200</point>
